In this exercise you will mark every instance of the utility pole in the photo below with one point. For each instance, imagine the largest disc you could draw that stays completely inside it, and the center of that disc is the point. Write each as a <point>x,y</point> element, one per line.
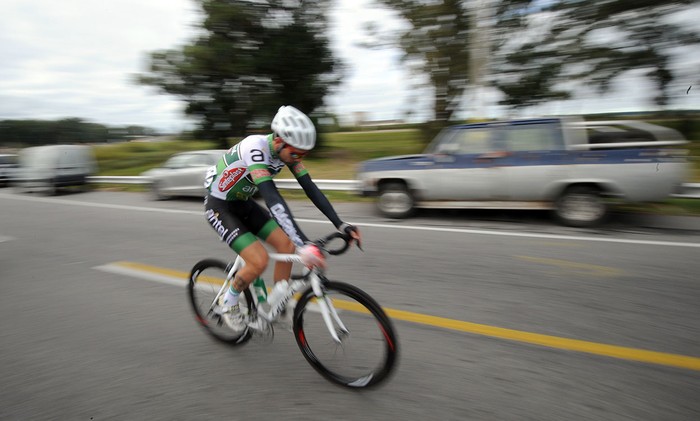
<point>480,51</point>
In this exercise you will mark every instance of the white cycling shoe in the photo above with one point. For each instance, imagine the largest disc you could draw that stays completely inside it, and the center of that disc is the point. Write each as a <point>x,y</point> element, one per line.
<point>231,315</point>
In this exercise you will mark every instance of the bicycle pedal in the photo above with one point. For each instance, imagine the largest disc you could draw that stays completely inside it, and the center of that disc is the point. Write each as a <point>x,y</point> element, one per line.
<point>285,326</point>
<point>265,334</point>
<point>284,321</point>
<point>215,318</point>
<point>258,324</point>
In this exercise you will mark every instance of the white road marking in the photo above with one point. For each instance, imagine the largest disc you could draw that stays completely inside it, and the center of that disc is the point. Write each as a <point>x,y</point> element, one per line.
<point>373,225</point>
<point>533,235</point>
<point>142,274</point>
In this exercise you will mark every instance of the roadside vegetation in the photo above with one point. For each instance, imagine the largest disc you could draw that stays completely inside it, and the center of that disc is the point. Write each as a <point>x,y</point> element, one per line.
<point>337,159</point>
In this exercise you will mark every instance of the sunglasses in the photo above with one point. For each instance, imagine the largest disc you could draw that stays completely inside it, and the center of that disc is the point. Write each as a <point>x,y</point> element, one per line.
<point>297,155</point>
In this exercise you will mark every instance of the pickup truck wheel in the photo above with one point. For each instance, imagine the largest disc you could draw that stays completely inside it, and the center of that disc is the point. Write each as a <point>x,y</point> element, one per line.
<point>395,201</point>
<point>581,207</point>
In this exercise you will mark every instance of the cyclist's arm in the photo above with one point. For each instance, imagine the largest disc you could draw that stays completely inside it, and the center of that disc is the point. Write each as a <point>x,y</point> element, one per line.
<point>278,207</point>
<point>315,194</point>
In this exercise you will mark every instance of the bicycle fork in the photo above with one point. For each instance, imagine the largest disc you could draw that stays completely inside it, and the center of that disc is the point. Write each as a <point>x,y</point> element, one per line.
<point>326,307</point>
<point>328,311</point>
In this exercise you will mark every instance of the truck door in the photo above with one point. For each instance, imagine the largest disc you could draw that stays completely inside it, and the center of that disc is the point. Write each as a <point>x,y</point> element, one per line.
<point>535,158</point>
<point>468,166</point>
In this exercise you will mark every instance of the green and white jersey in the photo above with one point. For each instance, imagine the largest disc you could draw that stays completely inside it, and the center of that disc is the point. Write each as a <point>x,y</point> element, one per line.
<point>234,177</point>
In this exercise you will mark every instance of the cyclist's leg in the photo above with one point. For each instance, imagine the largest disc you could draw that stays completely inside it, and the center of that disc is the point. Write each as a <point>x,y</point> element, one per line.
<point>260,222</point>
<point>229,220</point>
<point>282,244</point>
<point>255,257</point>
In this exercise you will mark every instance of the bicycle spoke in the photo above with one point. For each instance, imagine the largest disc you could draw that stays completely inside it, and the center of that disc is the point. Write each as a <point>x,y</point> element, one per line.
<point>206,283</point>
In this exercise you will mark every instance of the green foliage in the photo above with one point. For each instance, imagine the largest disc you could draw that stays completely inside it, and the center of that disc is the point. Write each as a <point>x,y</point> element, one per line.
<point>672,206</point>
<point>252,57</point>
<point>20,133</point>
<point>359,146</point>
<point>133,158</point>
<point>344,150</point>
<point>591,42</point>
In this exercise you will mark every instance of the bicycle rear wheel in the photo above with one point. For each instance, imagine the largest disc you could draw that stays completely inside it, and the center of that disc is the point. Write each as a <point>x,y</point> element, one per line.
<point>368,349</point>
<point>206,279</point>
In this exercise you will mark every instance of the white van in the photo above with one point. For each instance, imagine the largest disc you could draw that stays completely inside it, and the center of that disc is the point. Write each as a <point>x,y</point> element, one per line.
<point>8,168</point>
<point>52,167</point>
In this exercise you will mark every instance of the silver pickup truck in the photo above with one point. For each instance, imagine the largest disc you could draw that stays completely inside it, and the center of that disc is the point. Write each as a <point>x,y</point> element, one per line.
<point>573,167</point>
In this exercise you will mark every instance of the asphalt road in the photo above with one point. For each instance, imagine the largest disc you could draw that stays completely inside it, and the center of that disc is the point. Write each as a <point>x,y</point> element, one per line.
<point>499,316</point>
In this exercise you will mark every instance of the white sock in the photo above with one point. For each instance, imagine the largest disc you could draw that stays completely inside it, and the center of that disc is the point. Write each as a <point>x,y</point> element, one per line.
<point>231,297</point>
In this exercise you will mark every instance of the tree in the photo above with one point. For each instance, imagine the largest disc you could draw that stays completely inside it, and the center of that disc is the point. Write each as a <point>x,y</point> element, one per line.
<point>67,130</point>
<point>436,44</point>
<point>252,57</point>
<point>540,50</point>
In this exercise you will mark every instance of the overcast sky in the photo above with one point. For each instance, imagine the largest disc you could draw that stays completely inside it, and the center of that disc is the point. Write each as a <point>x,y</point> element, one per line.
<point>77,58</point>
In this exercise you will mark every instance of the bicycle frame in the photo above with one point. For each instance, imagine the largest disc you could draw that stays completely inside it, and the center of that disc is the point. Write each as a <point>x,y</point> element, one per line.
<point>310,277</point>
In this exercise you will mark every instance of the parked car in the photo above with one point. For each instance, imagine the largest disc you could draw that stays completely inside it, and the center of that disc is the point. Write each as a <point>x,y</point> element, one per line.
<point>8,168</point>
<point>53,167</point>
<point>567,165</point>
<point>182,174</point>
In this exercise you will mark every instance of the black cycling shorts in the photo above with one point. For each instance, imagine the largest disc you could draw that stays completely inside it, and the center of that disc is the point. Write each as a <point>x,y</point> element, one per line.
<point>238,222</point>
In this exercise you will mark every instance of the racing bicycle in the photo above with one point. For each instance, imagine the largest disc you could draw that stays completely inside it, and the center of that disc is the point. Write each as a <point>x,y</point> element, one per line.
<point>341,331</point>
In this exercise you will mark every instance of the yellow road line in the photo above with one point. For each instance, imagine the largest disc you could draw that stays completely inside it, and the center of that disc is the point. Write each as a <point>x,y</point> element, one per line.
<point>673,360</point>
<point>632,354</point>
<point>604,271</point>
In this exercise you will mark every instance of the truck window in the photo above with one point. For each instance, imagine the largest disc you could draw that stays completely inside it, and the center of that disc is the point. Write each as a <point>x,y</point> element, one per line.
<point>533,137</point>
<point>474,141</point>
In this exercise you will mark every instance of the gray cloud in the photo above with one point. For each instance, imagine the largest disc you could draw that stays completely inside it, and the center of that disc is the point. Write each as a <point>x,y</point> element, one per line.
<point>76,58</point>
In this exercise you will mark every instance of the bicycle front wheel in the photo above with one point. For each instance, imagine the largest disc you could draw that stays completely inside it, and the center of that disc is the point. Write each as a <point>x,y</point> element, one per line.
<point>206,279</point>
<point>367,351</point>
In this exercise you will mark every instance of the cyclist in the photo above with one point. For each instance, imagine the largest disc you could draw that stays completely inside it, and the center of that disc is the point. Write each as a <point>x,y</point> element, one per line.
<point>239,221</point>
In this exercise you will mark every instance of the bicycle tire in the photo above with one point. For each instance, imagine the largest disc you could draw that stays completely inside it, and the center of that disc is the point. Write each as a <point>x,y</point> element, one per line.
<point>205,281</point>
<point>371,331</point>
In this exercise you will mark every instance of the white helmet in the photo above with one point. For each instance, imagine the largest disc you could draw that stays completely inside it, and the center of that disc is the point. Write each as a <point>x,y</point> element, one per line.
<point>295,128</point>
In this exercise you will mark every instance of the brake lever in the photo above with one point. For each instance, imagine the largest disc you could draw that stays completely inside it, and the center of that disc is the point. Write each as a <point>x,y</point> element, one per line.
<point>359,245</point>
